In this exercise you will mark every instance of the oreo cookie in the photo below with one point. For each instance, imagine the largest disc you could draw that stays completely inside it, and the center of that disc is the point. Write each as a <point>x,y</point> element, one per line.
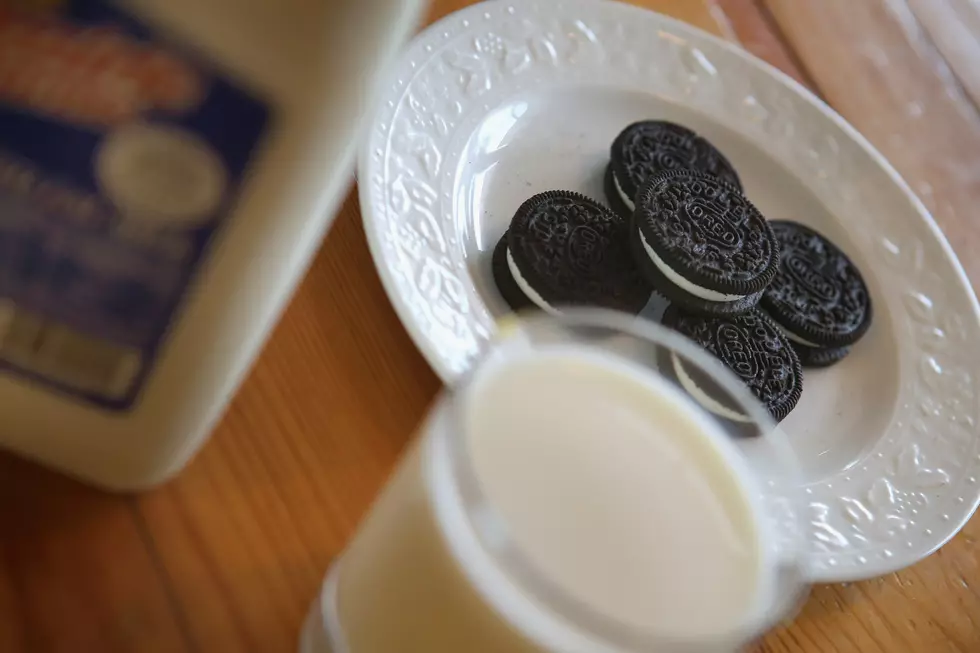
<point>753,347</point>
<point>702,244</point>
<point>818,296</point>
<point>564,249</point>
<point>506,285</point>
<point>646,149</point>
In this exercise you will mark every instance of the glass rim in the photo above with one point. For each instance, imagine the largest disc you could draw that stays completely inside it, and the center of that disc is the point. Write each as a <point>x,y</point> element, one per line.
<point>507,557</point>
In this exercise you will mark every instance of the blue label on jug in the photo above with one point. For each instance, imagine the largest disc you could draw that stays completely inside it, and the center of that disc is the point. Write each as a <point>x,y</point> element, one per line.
<point>120,154</point>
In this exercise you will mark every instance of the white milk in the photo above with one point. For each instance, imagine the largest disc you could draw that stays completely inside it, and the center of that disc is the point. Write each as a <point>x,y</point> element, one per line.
<point>613,487</point>
<point>167,169</point>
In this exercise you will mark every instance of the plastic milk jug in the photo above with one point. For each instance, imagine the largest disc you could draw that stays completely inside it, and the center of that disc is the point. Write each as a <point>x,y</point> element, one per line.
<point>167,170</point>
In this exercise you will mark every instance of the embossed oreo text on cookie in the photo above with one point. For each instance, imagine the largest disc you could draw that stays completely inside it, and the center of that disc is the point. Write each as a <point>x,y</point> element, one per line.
<point>708,231</point>
<point>645,149</point>
<point>818,294</point>
<point>753,347</point>
<point>574,251</point>
<point>586,248</point>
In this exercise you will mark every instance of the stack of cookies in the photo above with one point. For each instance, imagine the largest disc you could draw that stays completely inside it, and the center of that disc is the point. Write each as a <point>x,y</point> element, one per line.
<point>764,297</point>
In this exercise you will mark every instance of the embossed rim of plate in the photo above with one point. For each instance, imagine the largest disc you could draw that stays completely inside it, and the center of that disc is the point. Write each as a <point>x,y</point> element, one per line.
<point>918,485</point>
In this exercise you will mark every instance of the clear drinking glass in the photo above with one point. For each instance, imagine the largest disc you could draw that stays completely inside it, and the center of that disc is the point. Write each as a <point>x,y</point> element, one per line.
<point>434,568</point>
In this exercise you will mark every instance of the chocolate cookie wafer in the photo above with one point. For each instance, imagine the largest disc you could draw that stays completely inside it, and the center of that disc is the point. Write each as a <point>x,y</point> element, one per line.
<point>564,249</point>
<point>753,347</point>
<point>818,296</point>
<point>648,148</point>
<point>702,244</point>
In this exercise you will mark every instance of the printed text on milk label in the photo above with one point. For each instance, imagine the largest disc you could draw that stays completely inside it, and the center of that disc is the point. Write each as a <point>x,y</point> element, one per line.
<point>120,154</point>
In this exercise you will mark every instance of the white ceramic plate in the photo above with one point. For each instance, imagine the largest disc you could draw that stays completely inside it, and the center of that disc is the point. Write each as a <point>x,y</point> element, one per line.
<point>504,100</point>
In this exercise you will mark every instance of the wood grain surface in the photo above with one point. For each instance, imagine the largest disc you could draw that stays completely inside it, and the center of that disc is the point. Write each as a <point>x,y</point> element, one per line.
<point>229,556</point>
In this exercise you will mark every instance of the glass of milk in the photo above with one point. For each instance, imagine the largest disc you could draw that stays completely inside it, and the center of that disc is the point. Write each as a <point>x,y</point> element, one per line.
<point>571,494</point>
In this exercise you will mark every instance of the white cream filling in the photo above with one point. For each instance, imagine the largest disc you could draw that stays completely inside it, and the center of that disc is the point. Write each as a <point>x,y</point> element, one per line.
<point>701,397</point>
<point>622,194</point>
<point>795,338</point>
<point>526,288</point>
<point>678,280</point>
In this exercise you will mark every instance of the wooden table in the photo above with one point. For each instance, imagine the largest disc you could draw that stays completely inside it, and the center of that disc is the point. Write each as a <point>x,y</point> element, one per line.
<point>229,556</point>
